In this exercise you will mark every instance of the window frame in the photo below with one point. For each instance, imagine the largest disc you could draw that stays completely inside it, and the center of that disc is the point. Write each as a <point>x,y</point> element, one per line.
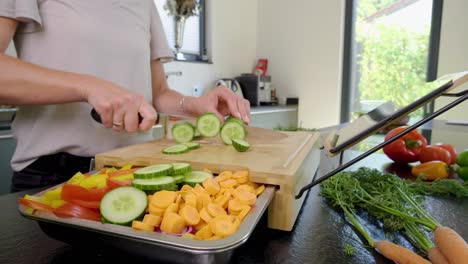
<point>349,59</point>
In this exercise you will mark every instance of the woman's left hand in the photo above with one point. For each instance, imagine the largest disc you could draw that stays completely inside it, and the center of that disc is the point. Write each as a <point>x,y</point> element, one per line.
<point>222,102</point>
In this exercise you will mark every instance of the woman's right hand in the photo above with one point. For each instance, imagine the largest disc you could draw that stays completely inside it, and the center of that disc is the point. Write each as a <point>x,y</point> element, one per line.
<point>118,107</point>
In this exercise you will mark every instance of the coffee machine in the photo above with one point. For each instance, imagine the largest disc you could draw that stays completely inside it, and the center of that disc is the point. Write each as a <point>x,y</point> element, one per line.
<point>256,89</point>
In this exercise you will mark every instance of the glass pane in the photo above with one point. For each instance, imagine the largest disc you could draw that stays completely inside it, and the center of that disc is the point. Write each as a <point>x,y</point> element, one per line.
<point>389,53</point>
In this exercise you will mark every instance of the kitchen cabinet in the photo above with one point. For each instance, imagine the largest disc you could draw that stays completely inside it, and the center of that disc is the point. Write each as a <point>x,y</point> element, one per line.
<point>271,117</point>
<point>7,147</point>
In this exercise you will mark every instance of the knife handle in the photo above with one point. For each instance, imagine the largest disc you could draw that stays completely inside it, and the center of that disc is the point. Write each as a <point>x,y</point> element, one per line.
<point>97,117</point>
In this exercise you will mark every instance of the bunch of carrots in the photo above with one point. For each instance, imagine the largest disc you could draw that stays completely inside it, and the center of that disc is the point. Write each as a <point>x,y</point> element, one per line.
<point>389,199</point>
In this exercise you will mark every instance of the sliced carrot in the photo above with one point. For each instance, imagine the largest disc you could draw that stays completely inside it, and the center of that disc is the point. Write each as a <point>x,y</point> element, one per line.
<point>172,223</point>
<point>152,220</point>
<point>223,176</point>
<point>172,208</point>
<point>190,215</point>
<point>236,221</point>
<point>260,189</point>
<point>203,199</point>
<point>199,189</point>
<point>204,233</point>
<point>436,257</point>
<point>241,176</point>
<point>163,199</point>
<point>398,253</point>
<point>178,199</point>
<point>253,184</point>
<point>215,209</point>
<point>246,198</point>
<point>222,226</point>
<point>451,244</point>
<point>155,210</point>
<point>211,186</point>
<point>205,215</point>
<point>223,200</point>
<point>190,199</point>
<point>245,187</point>
<point>243,213</point>
<point>141,226</point>
<point>235,206</point>
<point>200,225</point>
<point>186,188</point>
<point>228,183</point>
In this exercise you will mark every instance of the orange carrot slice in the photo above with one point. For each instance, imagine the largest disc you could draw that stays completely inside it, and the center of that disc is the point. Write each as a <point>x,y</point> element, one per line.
<point>222,226</point>
<point>235,206</point>
<point>204,233</point>
<point>228,183</point>
<point>215,209</point>
<point>205,215</point>
<point>163,199</point>
<point>260,189</point>
<point>241,176</point>
<point>211,186</point>
<point>155,210</point>
<point>190,199</point>
<point>223,176</point>
<point>152,220</point>
<point>190,215</point>
<point>172,223</point>
<point>243,213</point>
<point>246,198</point>
<point>137,225</point>
<point>172,208</point>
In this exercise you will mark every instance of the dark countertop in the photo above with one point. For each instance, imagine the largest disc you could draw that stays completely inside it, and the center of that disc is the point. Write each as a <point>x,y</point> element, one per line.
<point>320,234</point>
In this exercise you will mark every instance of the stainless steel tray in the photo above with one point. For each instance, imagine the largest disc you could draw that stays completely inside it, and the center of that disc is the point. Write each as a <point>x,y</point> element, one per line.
<point>151,245</point>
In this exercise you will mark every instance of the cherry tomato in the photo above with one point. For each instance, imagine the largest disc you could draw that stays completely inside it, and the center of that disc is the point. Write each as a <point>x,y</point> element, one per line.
<point>433,153</point>
<point>451,149</point>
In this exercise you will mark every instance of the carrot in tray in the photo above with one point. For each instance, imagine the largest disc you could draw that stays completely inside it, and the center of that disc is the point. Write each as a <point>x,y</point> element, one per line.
<point>436,257</point>
<point>398,253</point>
<point>451,245</point>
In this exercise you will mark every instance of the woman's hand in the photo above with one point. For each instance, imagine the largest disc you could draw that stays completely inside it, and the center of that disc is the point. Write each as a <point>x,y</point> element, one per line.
<point>222,102</point>
<point>118,107</point>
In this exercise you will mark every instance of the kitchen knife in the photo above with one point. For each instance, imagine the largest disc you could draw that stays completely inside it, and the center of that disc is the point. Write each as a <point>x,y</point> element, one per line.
<point>96,117</point>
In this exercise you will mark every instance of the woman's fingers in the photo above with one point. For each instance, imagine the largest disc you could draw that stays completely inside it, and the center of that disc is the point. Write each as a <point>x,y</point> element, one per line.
<point>149,117</point>
<point>244,112</point>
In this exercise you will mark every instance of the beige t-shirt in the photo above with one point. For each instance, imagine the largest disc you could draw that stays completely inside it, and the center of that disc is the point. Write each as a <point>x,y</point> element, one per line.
<point>111,39</point>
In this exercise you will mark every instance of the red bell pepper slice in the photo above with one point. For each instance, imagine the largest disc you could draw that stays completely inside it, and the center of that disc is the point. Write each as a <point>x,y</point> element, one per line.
<point>405,149</point>
<point>121,172</point>
<point>74,210</point>
<point>74,192</point>
<point>87,204</point>
<point>112,184</point>
<point>35,205</point>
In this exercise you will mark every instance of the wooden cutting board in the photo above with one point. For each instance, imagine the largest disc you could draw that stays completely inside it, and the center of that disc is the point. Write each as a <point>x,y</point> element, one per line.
<point>286,159</point>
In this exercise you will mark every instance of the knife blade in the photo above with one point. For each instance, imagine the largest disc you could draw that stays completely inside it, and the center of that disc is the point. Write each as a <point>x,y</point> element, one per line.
<point>96,117</point>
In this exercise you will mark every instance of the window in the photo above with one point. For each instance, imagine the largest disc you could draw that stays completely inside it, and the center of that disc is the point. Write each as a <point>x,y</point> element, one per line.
<point>193,45</point>
<point>391,50</point>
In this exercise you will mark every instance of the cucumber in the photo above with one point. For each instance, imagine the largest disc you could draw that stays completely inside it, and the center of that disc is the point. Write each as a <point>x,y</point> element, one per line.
<point>123,205</point>
<point>181,168</point>
<point>178,179</point>
<point>208,125</point>
<point>192,145</point>
<point>234,119</point>
<point>175,149</point>
<point>153,171</point>
<point>183,132</point>
<point>231,130</point>
<point>156,184</point>
<point>194,177</point>
<point>240,145</point>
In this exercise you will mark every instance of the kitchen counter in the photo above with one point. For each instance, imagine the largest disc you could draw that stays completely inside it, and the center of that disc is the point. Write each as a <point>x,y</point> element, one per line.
<point>320,234</point>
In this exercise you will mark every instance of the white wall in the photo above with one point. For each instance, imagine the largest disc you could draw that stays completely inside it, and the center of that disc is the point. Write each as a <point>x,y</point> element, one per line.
<point>303,41</point>
<point>232,32</point>
<point>453,53</point>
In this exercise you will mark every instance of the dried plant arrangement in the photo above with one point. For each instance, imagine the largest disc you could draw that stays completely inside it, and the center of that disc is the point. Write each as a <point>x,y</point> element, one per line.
<point>185,8</point>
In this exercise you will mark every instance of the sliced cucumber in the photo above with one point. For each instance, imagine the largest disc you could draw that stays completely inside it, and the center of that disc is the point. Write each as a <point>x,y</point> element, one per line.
<point>156,184</point>
<point>181,168</point>
<point>240,145</point>
<point>234,119</point>
<point>183,132</point>
<point>192,145</point>
<point>123,205</point>
<point>231,130</point>
<point>176,149</point>
<point>194,177</point>
<point>153,171</point>
<point>208,125</point>
<point>178,179</point>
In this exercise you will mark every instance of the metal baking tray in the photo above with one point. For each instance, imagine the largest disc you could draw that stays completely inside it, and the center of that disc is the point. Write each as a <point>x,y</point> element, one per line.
<point>151,245</point>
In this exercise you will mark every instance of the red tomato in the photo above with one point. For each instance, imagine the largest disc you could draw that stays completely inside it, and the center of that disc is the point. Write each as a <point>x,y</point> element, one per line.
<point>75,192</point>
<point>73,210</point>
<point>112,184</point>
<point>433,153</point>
<point>451,149</point>
<point>87,204</point>
<point>35,205</point>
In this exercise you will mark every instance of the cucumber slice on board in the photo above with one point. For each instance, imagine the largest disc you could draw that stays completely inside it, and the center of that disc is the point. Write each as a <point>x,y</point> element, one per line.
<point>175,149</point>
<point>153,171</point>
<point>123,205</point>
<point>194,177</point>
<point>183,132</point>
<point>240,145</point>
<point>234,119</point>
<point>156,184</point>
<point>231,130</point>
<point>181,168</point>
<point>192,145</point>
<point>208,125</point>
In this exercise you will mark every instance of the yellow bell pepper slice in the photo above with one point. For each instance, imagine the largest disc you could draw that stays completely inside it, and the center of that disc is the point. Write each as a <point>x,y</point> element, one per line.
<point>55,194</point>
<point>94,181</point>
<point>76,179</point>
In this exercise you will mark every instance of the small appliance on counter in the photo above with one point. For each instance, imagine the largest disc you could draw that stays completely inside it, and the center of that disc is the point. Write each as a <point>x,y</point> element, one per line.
<point>257,89</point>
<point>231,84</point>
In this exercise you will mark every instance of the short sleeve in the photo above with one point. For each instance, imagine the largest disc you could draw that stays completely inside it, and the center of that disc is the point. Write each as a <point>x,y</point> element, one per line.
<point>159,45</point>
<point>25,11</point>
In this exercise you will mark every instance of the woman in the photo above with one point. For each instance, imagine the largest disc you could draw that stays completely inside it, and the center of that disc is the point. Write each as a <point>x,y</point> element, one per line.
<point>75,55</point>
